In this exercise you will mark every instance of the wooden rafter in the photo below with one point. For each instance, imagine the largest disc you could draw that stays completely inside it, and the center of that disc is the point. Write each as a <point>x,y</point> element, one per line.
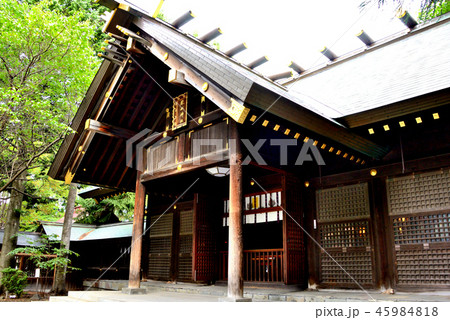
<point>232,106</point>
<point>108,130</point>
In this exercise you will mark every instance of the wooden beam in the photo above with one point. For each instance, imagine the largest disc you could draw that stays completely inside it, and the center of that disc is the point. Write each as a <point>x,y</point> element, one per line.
<point>133,35</point>
<point>112,88</point>
<point>235,241</point>
<point>136,240</point>
<point>417,165</point>
<point>177,77</point>
<point>85,141</point>
<point>118,17</point>
<point>108,130</point>
<point>185,167</point>
<point>131,46</point>
<point>233,107</point>
<point>398,109</point>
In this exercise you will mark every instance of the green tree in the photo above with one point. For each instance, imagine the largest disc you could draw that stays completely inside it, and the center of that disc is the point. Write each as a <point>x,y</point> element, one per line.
<point>86,10</point>
<point>46,66</point>
<point>426,6</point>
<point>49,255</point>
<point>437,10</point>
<point>122,206</point>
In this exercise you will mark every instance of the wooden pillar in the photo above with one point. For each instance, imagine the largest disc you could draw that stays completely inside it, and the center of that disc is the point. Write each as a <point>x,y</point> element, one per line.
<point>136,240</point>
<point>382,237</point>
<point>235,241</point>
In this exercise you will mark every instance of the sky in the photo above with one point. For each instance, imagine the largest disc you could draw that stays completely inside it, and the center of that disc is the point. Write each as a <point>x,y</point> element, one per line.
<point>285,30</point>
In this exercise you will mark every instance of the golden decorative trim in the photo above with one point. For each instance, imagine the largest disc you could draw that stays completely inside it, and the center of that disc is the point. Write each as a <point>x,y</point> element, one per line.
<point>237,111</point>
<point>68,178</point>
<point>124,7</point>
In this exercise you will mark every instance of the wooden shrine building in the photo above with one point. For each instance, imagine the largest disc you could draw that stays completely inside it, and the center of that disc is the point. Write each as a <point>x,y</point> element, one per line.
<point>241,179</point>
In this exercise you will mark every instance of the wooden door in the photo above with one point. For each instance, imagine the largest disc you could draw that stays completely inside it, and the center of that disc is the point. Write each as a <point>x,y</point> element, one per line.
<point>160,248</point>
<point>344,223</point>
<point>207,216</point>
<point>184,264</point>
<point>419,219</point>
<point>295,271</point>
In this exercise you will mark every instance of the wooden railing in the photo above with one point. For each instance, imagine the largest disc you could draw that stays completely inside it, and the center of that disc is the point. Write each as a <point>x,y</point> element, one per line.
<point>264,265</point>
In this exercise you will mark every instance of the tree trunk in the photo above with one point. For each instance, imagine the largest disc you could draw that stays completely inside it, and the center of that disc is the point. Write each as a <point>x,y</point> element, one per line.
<point>59,285</point>
<point>12,223</point>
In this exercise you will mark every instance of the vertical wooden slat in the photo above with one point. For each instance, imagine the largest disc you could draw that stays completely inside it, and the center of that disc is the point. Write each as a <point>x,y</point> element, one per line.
<point>276,268</point>
<point>271,267</point>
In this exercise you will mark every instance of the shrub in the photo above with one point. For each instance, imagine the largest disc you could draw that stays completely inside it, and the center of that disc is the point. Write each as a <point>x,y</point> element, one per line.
<point>14,280</point>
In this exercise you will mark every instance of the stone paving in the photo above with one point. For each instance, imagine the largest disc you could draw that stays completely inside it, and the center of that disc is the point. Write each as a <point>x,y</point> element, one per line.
<point>110,290</point>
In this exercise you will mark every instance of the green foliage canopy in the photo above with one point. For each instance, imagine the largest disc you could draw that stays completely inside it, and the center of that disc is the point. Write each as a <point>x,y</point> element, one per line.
<point>46,66</point>
<point>122,206</point>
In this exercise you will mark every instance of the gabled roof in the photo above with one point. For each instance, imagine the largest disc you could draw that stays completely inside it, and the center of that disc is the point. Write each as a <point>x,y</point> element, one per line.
<point>407,65</point>
<point>234,77</point>
<point>255,90</point>
<point>25,239</point>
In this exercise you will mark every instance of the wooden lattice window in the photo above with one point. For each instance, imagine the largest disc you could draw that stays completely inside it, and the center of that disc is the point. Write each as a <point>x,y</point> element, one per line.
<point>185,253</point>
<point>347,234</point>
<point>343,203</point>
<point>160,246</point>
<point>419,193</point>
<point>258,208</point>
<point>422,228</point>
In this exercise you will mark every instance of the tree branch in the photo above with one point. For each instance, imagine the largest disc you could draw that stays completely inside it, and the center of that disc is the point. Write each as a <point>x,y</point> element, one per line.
<point>25,167</point>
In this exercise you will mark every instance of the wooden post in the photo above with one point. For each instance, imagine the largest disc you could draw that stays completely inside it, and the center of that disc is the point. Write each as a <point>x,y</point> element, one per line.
<point>382,237</point>
<point>235,242</point>
<point>136,241</point>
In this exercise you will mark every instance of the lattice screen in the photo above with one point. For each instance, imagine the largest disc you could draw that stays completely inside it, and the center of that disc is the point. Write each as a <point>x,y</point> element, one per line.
<point>344,229</point>
<point>160,246</point>
<point>419,193</point>
<point>358,264</point>
<point>423,267</point>
<point>185,255</point>
<point>419,206</point>
<point>161,225</point>
<point>347,234</point>
<point>343,203</point>
<point>422,228</point>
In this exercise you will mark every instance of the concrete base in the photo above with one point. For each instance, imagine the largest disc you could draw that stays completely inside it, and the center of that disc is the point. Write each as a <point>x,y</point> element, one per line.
<point>134,290</point>
<point>230,299</point>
